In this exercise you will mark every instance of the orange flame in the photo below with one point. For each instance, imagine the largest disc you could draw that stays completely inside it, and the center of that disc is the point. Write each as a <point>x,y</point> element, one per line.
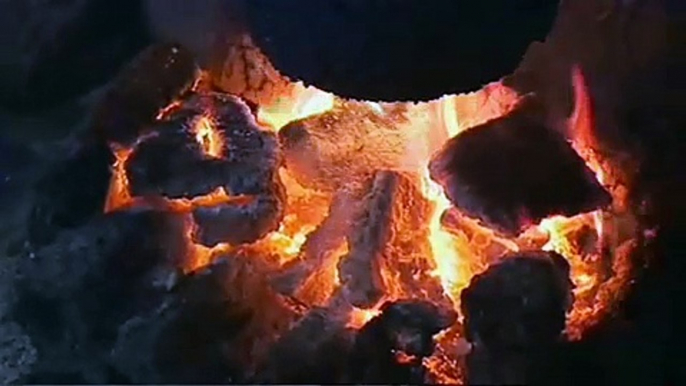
<point>301,103</point>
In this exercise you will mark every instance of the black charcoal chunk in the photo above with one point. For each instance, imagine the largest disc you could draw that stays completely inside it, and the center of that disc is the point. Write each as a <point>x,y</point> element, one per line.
<point>71,193</point>
<point>406,327</point>
<point>237,223</point>
<point>513,172</point>
<point>141,90</point>
<point>171,163</point>
<point>314,351</point>
<point>187,339</point>
<point>514,316</point>
<point>72,295</point>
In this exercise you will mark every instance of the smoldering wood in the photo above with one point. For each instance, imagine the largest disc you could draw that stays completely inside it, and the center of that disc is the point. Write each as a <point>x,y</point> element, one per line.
<point>512,172</point>
<point>407,326</point>
<point>72,295</point>
<point>514,316</point>
<point>199,333</point>
<point>348,143</point>
<point>329,235</point>
<point>71,193</point>
<point>155,78</point>
<point>236,223</point>
<point>313,351</point>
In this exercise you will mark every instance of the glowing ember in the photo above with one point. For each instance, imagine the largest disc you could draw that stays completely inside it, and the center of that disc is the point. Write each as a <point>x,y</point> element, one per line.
<point>359,317</point>
<point>303,102</point>
<point>208,136</point>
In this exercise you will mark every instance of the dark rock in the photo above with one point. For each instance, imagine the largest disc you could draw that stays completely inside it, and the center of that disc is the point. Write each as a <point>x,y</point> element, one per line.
<point>54,51</point>
<point>514,317</point>
<point>154,79</point>
<point>71,193</point>
<point>397,50</point>
<point>512,172</point>
<point>73,294</point>
<point>406,327</point>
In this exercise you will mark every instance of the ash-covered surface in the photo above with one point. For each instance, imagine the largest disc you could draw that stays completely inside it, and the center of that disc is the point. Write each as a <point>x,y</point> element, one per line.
<point>252,155</point>
<point>513,172</point>
<point>323,241</point>
<point>344,145</point>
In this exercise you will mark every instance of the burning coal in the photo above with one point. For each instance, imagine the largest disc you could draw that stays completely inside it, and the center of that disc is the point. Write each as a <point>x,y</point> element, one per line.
<point>358,209</point>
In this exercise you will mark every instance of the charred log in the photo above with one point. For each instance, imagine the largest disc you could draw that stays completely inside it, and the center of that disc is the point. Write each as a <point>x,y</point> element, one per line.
<point>148,84</point>
<point>404,327</point>
<point>514,317</point>
<point>360,270</point>
<point>348,143</point>
<point>311,352</point>
<point>73,294</point>
<point>322,242</point>
<point>513,172</point>
<point>70,194</point>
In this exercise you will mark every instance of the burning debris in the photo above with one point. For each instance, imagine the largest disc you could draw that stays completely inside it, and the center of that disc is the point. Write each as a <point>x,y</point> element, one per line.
<point>188,173</point>
<point>533,174</point>
<point>514,316</point>
<point>245,244</point>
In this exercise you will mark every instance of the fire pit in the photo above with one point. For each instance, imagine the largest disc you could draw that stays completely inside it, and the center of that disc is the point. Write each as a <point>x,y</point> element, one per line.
<point>249,226</point>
